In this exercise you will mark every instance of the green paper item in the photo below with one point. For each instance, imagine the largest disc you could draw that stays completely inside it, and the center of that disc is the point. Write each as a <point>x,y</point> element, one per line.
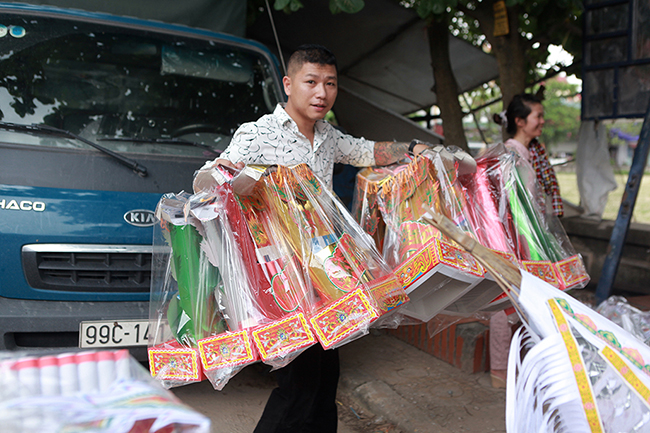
<point>192,314</point>
<point>541,244</point>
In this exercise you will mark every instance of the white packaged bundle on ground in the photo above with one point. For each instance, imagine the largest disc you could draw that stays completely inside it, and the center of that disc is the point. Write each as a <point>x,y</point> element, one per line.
<point>88,391</point>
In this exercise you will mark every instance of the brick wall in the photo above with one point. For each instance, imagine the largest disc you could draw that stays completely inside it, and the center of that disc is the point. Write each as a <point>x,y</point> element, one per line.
<point>464,344</point>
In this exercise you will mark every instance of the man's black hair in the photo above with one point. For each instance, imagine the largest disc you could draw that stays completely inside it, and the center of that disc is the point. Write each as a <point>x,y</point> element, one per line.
<point>311,53</point>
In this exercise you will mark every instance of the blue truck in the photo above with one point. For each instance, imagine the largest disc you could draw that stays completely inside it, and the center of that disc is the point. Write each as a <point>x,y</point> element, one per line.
<point>99,116</point>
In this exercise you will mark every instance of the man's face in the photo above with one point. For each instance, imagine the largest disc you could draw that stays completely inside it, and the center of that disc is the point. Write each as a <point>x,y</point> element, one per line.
<point>312,91</point>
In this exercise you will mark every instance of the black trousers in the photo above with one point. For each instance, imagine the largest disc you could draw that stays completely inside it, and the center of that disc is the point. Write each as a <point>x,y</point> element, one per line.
<point>305,399</point>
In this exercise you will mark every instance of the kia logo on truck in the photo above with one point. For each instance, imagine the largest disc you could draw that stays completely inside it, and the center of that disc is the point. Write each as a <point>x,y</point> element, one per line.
<point>140,218</point>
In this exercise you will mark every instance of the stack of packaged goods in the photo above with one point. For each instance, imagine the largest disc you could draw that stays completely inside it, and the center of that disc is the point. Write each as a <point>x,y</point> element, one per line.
<point>487,199</point>
<point>432,269</point>
<point>515,205</point>
<point>261,277</point>
<point>201,321</point>
<point>98,391</point>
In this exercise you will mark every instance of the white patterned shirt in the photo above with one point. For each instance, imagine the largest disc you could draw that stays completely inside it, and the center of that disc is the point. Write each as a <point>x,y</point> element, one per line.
<point>275,139</point>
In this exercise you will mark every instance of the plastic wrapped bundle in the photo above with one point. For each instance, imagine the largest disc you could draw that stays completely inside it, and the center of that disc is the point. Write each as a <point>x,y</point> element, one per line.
<point>263,297</point>
<point>465,208</point>
<point>401,199</point>
<point>99,391</point>
<point>569,369</point>
<point>448,166</point>
<point>365,203</point>
<point>492,226</point>
<point>183,308</point>
<point>541,245</point>
<point>200,237</point>
<point>351,284</point>
<point>434,272</point>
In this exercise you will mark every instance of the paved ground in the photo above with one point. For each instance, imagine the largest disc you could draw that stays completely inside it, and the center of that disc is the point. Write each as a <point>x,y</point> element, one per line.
<point>386,386</point>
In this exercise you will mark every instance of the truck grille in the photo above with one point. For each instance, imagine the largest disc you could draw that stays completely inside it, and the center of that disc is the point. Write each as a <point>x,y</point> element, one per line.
<point>88,268</point>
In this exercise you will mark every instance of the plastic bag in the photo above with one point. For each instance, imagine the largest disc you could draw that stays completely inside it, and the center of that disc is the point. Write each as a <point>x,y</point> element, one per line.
<point>351,285</point>
<point>183,307</point>
<point>433,270</point>
<point>293,267</point>
<point>493,199</point>
<point>264,294</point>
<point>633,320</point>
<point>540,243</point>
<point>93,391</point>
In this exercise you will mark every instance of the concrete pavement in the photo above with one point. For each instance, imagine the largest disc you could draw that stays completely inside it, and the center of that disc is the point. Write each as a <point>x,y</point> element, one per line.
<point>386,386</point>
<point>416,391</point>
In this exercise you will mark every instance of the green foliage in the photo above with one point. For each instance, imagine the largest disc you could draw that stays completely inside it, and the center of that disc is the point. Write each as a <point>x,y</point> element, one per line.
<point>561,112</point>
<point>480,96</point>
<point>628,126</point>
<point>336,6</point>
<point>347,6</point>
<point>287,6</point>
<point>427,8</point>
<point>541,23</point>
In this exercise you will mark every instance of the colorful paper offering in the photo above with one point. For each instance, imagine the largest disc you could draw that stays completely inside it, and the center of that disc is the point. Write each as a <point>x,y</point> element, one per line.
<point>365,202</point>
<point>433,271</point>
<point>290,334</point>
<point>482,194</point>
<point>487,199</point>
<point>332,248</point>
<point>400,200</point>
<point>263,288</point>
<point>279,270</point>
<point>183,308</point>
<point>541,244</point>
<point>193,290</point>
<point>173,364</point>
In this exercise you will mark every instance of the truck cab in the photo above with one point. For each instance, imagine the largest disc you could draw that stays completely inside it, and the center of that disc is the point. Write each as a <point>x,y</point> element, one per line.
<point>99,116</point>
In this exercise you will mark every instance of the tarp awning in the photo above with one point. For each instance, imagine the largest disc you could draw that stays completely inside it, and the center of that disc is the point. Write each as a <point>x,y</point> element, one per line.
<point>382,51</point>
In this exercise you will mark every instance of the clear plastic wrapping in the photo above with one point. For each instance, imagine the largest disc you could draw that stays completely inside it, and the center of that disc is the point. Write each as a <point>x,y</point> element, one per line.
<point>88,391</point>
<point>350,284</point>
<point>628,317</point>
<point>239,279</point>
<point>494,199</point>
<point>183,306</point>
<point>275,279</point>
<point>433,270</point>
<point>365,202</point>
<point>534,236</point>
<point>571,369</point>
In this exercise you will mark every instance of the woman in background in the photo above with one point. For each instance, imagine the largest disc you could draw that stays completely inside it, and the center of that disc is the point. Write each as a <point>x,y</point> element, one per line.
<point>523,121</point>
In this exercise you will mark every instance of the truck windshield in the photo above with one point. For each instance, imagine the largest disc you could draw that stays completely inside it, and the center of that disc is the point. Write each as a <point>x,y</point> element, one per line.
<point>110,84</point>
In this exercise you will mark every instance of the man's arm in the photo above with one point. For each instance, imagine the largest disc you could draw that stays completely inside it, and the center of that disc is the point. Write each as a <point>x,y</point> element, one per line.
<point>388,152</point>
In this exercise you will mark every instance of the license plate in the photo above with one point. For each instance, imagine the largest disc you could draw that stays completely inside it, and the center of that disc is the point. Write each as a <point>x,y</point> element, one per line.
<point>113,333</point>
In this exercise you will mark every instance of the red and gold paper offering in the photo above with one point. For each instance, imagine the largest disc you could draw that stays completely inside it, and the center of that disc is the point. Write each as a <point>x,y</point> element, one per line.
<point>239,279</point>
<point>487,199</point>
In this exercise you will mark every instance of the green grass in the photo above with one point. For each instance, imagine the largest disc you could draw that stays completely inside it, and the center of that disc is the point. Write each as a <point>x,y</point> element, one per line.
<point>569,191</point>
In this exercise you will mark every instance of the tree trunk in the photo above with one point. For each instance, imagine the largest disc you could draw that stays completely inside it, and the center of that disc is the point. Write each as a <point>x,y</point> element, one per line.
<point>509,50</point>
<point>445,86</point>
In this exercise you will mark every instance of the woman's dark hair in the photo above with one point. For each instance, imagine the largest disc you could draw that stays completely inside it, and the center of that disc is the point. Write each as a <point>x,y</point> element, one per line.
<point>310,53</point>
<point>519,107</point>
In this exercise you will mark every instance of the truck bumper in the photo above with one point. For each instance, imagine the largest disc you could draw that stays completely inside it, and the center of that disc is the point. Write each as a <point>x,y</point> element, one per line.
<point>41,326</point>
